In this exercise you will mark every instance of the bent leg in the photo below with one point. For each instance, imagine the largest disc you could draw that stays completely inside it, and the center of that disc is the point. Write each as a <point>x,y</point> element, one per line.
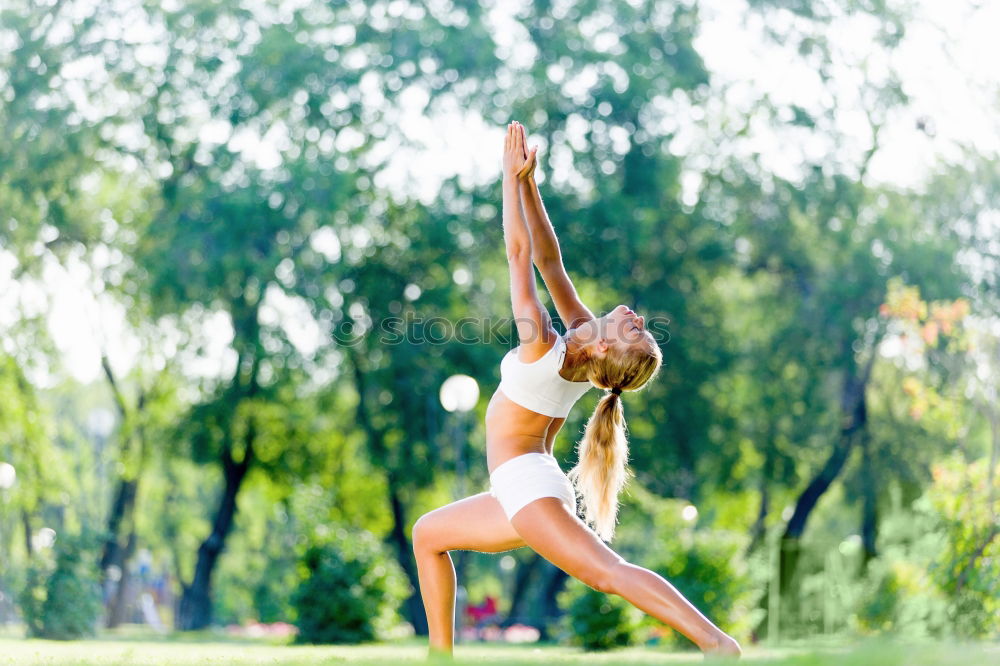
<point>553,532</point>
<point>474,523</point>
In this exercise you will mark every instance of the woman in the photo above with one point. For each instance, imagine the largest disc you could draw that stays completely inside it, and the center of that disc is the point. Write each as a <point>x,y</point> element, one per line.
<point>532,502</point>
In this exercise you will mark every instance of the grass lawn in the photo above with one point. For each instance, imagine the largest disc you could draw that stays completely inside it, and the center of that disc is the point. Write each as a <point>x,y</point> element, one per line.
<point>181,652</point>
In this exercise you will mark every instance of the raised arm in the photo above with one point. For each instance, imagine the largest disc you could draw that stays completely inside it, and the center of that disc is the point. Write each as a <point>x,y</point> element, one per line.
<point>545,251</point>
<point>534,326</point>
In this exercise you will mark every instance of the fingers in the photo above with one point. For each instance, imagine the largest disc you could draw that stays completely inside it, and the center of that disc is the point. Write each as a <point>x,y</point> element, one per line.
<point>515,146</point>
<point>531,160</point>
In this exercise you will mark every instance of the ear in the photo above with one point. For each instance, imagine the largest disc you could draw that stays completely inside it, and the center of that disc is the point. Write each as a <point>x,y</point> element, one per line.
<point>602,346</point>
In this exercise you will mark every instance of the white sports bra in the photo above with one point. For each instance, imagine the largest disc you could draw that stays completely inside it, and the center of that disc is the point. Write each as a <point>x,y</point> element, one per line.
<point>538,386</point>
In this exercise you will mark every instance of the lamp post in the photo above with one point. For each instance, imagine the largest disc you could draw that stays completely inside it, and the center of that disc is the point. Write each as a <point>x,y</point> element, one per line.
<point>8,477</point>
<point>459,393</point>
<point>100,423</point>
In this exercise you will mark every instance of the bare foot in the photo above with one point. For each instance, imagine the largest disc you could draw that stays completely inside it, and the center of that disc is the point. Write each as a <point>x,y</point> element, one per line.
<point>725,646</point>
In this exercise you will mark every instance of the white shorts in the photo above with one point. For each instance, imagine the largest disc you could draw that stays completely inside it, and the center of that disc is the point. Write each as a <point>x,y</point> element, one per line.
<point>528,477</point>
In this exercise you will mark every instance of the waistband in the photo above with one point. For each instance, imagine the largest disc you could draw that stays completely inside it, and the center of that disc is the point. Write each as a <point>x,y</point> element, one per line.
<point>526,464</point>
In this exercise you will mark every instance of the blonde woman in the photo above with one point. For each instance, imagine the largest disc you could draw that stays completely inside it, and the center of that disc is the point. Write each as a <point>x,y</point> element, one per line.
<point>531,502</point>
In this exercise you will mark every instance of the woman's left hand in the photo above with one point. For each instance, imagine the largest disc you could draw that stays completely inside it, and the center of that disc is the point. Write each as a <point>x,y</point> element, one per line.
<point>527,172</point>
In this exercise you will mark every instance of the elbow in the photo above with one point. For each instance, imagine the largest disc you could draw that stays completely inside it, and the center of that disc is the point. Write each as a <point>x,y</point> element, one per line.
<point>518,253</point>
<point>548,261</point>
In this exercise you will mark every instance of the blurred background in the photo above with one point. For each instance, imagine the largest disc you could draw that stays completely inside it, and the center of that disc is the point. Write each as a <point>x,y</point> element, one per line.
<point>237,240</point>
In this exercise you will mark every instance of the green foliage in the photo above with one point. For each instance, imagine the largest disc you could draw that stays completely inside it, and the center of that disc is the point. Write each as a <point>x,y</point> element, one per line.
<point>256,580</point>
<point>595,620</point>
<point>708,566</point>
<point>711,571</point>
<point>899,597</point>
<point>771,282</point>
<point>64,602</point>
<point>31,599</point>
<point>350,589</point>
<point>963,504</point>
<point>939,572</point>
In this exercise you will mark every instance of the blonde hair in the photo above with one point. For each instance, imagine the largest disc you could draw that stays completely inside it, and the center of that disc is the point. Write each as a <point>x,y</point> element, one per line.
<point>601,472</point>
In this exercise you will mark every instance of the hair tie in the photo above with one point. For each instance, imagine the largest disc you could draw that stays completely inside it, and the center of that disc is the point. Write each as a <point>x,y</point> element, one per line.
<point>616,391</point>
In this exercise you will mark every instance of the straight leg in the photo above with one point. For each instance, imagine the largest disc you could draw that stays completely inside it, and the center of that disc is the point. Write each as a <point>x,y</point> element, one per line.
<point>549,529</point>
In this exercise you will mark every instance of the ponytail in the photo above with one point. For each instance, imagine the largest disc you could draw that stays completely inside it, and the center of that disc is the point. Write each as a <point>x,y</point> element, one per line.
<point>600,474</point>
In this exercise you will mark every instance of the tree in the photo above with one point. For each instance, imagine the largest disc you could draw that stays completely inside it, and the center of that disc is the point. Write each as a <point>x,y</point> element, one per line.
<point>230,235</point>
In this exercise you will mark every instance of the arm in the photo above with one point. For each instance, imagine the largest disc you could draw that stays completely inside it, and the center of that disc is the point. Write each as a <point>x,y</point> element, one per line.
<point>534,326</point>
<point>545,251</point>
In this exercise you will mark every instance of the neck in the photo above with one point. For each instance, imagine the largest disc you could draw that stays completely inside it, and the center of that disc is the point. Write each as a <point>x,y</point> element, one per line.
<point>575,365</point>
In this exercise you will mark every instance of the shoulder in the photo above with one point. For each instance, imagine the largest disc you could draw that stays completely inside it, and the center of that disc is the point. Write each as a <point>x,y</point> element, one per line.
<point>549,344</point>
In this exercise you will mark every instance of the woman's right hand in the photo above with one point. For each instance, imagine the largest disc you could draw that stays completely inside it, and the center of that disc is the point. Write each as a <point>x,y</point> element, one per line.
<point>513,154</point>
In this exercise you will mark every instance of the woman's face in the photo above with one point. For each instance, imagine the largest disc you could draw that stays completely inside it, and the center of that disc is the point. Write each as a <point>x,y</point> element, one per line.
<point>621,327</point>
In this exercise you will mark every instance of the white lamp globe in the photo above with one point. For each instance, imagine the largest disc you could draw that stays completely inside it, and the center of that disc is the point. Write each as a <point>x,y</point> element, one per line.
<point>8,475</point>
<point>459,393</point>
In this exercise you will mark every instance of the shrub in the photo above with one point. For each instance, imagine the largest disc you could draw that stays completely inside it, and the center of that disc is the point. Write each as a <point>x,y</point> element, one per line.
<point>962,508</point>
<point>938,573</point>
<point>711,572</point>
<point>597,621</point>
<point>899,597</point>
<point>64,603</point>
<point>32,598</point>
<point>707,566</point>
<point>349,590</point>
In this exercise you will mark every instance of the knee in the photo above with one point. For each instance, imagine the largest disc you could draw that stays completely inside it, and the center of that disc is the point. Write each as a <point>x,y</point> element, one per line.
<point>423,533</point>
<point>607,577</point>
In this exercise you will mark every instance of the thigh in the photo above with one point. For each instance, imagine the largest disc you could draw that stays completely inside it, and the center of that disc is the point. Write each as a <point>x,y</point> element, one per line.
<point>548,528</point>
<point>474,523</point>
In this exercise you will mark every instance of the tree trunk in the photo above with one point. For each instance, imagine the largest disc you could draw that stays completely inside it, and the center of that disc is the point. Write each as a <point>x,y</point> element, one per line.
<point>519,595</point>
<point>869,506</point>
<point>116,554</point>
<point>759,529</point>
<point>401,543</point>
<point>117,604</point>
<point>553,581</point>
<point>759,526</point>
<point>195,610</point>
<point>29,547</point>
<point>855,412</point>
<point>121,511</point>
<point>404,553</point>
<point>117,550</point>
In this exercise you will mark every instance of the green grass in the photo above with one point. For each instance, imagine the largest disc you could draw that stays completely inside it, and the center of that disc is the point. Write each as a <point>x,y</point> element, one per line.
<point>220,652</point>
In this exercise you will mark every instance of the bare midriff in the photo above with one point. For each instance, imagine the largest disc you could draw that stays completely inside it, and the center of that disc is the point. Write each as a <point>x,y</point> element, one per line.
<point>512,430</point>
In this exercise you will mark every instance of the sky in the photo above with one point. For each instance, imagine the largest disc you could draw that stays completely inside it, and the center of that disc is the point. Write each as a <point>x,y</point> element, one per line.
<point>947,65</point>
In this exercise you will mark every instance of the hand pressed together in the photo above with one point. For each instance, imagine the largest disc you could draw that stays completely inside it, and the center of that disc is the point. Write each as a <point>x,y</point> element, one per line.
<point>518,161</point>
